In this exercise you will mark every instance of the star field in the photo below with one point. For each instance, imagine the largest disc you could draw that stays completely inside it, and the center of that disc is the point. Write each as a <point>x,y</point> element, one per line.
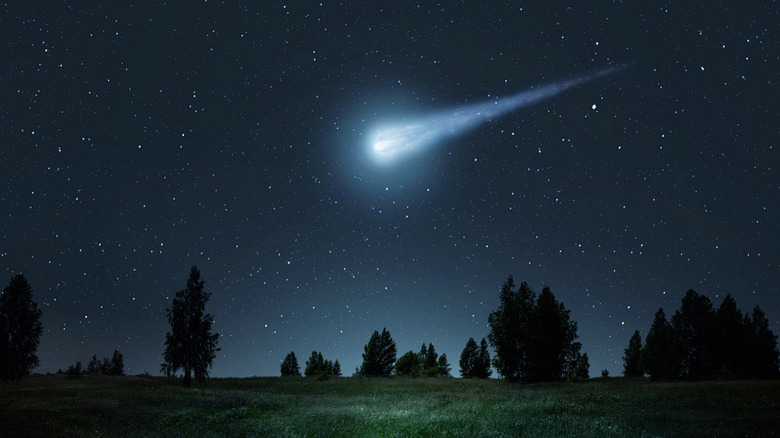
<point>143,139</point>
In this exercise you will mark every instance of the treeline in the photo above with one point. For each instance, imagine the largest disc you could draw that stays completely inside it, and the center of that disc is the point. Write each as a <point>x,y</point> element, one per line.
<point>701,343</point>
<point>533,336</point>
<point>110,367</point>
<point>317,366</point>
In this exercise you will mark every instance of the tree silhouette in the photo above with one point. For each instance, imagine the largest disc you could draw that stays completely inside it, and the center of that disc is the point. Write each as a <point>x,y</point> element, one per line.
<point>534,339</point>
<point>290,365</point>
<point>510,331</point>
<point>117,364</point>
<point>20,330</point>
<point>430,367</point>
<point>482,369</point>
<point>659,355</point>
<point>190,346</point>
<point>694,330</point>
<point>475,360</point>
<point>443,365</point>
<point>408,364</point>
<point>762,355</point>
<point>581,370</point>
<point>632,364</point>
<point>315,364</point>
<point>730,353</point>
<point>378,355</point>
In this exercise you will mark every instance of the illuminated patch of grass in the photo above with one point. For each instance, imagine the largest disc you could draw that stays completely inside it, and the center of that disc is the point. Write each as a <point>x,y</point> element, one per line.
<point>132,406</point>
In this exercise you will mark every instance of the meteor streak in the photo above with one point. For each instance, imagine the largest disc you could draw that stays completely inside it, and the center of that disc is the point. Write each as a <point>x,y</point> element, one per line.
<point>392,142</point>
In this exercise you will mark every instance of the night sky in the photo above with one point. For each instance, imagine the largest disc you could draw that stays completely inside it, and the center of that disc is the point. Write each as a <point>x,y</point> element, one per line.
<point>141,140</point>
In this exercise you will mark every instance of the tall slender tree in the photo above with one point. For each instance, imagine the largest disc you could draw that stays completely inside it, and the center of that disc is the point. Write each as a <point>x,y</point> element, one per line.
<point>694,330</point>
<point>632,364</point>
<point>482,370</point>
<point>190,346</point>
<point>20,330</point>
<point>510,331</point>
<point>659,355</point>
<point>468,359</point>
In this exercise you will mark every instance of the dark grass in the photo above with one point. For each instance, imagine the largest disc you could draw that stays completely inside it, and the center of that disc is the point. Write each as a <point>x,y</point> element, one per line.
<point>139,406</point>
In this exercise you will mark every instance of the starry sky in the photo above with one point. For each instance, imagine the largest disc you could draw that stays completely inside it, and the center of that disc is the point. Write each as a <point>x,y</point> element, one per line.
<point>141,138</point>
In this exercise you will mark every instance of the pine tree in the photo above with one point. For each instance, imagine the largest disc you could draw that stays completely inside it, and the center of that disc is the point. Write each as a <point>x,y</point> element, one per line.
<point>482,369</point>
<point>378,355</point>
<point>430,368</point>
<point>730,353</point>
<point>659,356</point>
<point>632,365</point>
<point>762,347</point>
<point>190,346</point>
<point>422,356</point>
<point>694,330</point>
<point>469,358</point>
<point>443,365</point>
<point>20,330</point>
<point>336,372</point>
<point>315,364</point>
<point>290,365</point>
<point>93,367</point>
<point>117,367</point>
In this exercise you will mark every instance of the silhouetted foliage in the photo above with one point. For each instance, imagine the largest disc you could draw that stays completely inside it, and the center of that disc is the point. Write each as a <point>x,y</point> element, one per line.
<point>482,370</point>
<point>443,365</point>
<point>704,344</point>
<point>731,351</point>
<point>74,371</point>
<point>117,364</point>
<point>581,369</point>
<point>658,356</point>
<point>408,364</point>
<point>430,367</point>
<point>318,366</point>
<point>533,337</point>
<point>190,346</point>
<point>694,330</point>
<point>475,360</point>
<point>20,330</point>
<point>632,363</point>
<point>605,373</point>
<point>378,355</point>
<point>762,353</point>
<point>290,365</point>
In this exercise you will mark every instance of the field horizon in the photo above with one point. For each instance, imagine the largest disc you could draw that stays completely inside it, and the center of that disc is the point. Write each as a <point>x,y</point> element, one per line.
<point>95,405</point>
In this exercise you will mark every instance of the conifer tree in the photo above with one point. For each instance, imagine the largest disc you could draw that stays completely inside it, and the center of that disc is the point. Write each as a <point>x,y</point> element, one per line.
<point>632,365</point>
<point>20,330</point>
<point>378,355</point>
<point>290,365</point>
<point>190,346</point>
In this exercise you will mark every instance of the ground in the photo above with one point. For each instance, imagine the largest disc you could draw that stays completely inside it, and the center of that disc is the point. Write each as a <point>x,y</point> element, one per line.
<point>148,406</point>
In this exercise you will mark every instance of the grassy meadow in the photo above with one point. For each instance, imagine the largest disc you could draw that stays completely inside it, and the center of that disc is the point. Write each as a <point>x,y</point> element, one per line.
<point>150,406</point>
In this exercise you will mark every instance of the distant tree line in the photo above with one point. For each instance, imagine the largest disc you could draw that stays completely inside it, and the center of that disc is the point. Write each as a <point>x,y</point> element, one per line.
<point>425,363</point>
<point>701,343</point>
<point>110,367</point>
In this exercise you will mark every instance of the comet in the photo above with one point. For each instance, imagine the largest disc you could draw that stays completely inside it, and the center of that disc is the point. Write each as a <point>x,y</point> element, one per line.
<point>394,141</point>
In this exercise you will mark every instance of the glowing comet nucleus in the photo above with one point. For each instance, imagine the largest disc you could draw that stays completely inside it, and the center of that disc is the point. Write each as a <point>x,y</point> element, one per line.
<point>394,141</point>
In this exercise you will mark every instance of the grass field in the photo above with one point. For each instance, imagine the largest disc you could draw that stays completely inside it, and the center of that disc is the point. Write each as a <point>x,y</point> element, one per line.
<point>138,406</point>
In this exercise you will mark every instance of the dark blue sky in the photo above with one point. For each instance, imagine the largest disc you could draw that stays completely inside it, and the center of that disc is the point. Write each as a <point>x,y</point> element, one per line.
<point>141,140</point>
